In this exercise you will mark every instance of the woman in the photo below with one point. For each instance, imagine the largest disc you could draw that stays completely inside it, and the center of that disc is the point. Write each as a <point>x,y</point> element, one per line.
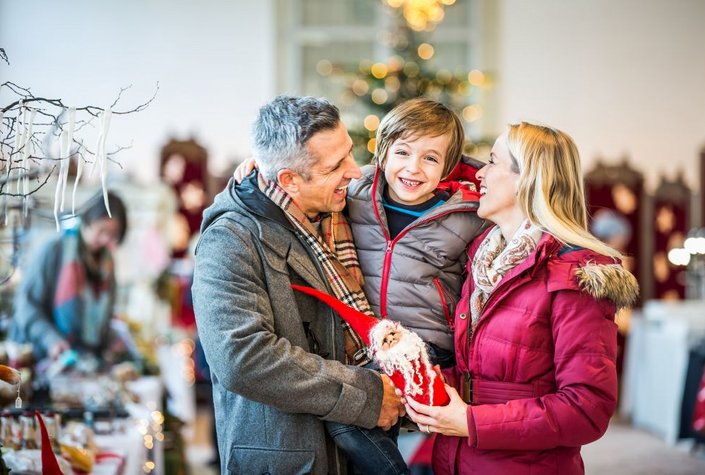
<point>65,300</point>
<point>535,335</point>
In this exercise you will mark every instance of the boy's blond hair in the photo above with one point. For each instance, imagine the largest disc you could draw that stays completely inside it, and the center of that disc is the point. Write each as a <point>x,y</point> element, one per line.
<point>421,117</point>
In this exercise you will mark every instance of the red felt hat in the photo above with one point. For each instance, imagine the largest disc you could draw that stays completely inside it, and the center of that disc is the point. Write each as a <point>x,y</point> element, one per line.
<point>360,322</point>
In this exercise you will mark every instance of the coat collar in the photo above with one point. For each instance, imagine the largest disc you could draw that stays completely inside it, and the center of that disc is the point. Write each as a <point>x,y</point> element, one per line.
<point>294,254</point>
<point>251,197</point>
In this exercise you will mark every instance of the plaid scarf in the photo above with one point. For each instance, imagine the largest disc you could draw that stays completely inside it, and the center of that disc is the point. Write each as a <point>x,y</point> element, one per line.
<point>494,258</point>
<point>335,251</point>
<point>84,291</point>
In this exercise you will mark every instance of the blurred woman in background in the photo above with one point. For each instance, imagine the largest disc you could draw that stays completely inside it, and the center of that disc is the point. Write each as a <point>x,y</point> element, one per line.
<point>66,295</point>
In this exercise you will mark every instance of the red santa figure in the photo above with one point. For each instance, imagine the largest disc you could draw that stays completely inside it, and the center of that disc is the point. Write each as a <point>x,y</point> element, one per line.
<point>400,353</point>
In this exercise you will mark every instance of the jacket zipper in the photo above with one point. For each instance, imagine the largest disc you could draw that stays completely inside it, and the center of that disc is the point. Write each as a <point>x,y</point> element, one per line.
<point>385,277</point>
<point>446,310</point>
<point>493,296</point>
<point>386,266</point>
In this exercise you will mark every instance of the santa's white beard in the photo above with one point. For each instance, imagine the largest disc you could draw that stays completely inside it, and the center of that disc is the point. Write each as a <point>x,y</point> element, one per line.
<point>408,356</point>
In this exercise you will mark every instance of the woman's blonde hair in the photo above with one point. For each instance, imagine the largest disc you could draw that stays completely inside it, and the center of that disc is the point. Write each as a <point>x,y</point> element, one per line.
<point>551,192</point>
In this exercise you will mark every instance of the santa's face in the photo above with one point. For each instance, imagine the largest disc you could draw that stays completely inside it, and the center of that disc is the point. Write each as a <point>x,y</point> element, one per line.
<point>390,339</point>
<point>394,345</point>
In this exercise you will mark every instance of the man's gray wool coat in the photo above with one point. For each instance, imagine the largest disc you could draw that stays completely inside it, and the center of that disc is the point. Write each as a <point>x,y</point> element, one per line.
<point>274,355</point>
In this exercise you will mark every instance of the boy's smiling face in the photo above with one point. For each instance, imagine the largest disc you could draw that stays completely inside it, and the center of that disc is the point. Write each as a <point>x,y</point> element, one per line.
<point>414,167</point>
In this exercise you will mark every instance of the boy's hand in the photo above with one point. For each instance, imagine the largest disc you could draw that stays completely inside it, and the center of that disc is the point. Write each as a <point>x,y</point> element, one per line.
<point>244,169</point>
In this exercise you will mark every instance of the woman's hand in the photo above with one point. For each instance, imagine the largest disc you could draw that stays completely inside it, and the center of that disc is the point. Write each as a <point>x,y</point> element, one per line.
<point>447,420</point>
<point>244,169</point>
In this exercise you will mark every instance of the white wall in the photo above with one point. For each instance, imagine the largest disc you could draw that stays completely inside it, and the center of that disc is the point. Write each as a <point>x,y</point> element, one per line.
<point>623,77</point>
<point>213,59</point>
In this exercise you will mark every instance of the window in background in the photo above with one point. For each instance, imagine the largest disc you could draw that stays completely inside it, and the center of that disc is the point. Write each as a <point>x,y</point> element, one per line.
<point>328,47</point>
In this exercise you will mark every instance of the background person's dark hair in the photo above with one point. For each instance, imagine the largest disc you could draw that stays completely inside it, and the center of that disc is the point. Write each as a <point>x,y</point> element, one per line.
<point>94,210</point>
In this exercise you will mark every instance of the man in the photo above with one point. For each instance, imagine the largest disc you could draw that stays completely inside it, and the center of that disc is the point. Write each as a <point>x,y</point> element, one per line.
<point>277,357</point>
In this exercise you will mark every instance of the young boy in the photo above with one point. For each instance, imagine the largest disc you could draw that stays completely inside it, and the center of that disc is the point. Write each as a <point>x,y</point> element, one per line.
<point>411,232</point>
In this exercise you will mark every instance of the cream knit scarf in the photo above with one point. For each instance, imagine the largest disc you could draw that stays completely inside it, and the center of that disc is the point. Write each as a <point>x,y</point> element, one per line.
<point>495,257</point>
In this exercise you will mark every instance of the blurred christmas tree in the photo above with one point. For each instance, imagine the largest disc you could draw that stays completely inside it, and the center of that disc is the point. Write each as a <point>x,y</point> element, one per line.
<point>374,88</point>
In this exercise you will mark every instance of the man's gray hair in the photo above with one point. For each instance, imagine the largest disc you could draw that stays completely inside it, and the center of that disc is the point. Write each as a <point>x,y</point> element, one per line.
<point>283,127</point>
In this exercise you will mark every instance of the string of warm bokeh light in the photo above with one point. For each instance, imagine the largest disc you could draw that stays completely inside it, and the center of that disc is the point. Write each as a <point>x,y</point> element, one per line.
<point>421,15</point>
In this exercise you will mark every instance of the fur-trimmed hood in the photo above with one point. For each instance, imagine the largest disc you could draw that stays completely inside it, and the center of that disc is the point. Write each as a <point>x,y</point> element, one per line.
<point>608,281</point>
<point>575,268</point>
<point>600,276</point>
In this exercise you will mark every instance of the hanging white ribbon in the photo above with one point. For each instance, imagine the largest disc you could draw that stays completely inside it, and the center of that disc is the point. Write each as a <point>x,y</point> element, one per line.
<point>66,152</point>
<point>102,140</point>
<point>7,164</point>
<point>26,163</point>
<point>79,172</point>
<point>65,141</point>
<point>19,138</point>
<point>58,193</point>
<point>23,147</point>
